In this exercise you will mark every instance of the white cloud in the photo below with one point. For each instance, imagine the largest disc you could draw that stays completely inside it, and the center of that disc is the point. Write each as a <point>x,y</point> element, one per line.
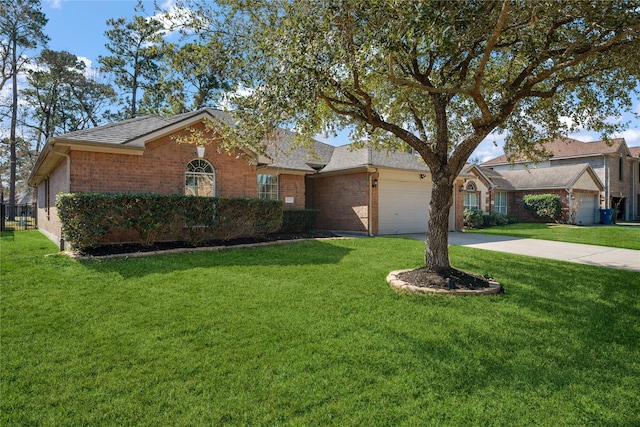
<point>491,147</point>
<point>54,4</point>
<point>631,136</point>
<point>172,16</point>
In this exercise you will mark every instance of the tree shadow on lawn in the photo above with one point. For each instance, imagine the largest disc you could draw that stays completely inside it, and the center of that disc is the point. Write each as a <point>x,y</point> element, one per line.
<point>283,254</point>
<point>553,336</point>
<point>580,315</point>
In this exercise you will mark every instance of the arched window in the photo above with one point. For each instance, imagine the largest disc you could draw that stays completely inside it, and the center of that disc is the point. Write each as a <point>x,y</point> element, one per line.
<point>471,199</point>
<point>200,179</point>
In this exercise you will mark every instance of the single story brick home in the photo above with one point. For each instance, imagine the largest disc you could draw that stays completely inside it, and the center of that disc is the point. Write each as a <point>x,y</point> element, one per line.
<point>357,190</point>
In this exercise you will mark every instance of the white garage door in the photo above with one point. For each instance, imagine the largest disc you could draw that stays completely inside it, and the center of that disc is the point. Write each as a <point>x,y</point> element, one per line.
<point>403,206</point>
<point>586,214</point>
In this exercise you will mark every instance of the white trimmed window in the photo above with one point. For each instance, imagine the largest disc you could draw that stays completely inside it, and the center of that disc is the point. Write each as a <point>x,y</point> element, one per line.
<point>500,202</point>
<point>471,199</point>
<point>268,187</point>
<point>200,179</point>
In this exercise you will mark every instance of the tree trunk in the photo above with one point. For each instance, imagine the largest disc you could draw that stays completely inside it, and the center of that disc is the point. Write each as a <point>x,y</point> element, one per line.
<point>13,158</point>
<point>437,250</point>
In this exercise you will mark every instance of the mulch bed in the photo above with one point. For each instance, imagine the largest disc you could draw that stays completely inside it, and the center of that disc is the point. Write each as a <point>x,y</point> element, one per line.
<point>424,278</point>
<point>129,248</point>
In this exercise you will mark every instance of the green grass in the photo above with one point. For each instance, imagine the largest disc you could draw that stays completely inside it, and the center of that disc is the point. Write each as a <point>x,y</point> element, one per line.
<point>311,334</point>
<point>627,237</point>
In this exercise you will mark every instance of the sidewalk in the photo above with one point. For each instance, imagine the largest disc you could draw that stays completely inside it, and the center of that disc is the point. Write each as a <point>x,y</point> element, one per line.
<point>626,259</point>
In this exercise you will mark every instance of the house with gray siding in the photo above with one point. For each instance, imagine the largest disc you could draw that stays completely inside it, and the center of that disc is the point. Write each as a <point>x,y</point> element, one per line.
<point>616,165</point>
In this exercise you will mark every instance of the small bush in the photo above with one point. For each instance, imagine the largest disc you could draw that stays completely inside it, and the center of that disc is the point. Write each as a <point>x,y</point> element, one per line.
<point>299,220</point>
<point>472,218</point>
<point>488,220</point>
<point>544,205</point>
<point>512,219</point>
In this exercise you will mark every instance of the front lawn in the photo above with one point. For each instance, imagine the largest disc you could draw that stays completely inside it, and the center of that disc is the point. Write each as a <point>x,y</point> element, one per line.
<point>617,236</point>
<point>311,334</point>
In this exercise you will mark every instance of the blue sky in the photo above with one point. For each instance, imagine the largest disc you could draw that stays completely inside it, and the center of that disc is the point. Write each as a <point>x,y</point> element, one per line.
<point>78,26</point>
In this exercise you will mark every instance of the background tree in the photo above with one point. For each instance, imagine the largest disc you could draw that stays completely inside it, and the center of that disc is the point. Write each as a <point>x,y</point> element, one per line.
<point>136,51</point>
<point>21,29</point>
<point>61,97</point>
<point>192,77</point>
<point>437,75</point>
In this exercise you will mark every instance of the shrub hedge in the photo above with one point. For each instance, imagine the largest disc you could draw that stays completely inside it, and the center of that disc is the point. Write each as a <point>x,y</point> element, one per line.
<point>299,220</point>
<point>544,205</point>
<point>87,218</point>
<point>472,218</point>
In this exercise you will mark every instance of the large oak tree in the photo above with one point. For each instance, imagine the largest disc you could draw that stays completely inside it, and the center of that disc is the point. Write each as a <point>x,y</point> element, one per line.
<point>439,76</point>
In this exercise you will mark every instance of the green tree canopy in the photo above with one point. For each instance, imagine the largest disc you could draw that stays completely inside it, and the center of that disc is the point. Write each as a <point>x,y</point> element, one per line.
<point>61,97</point>
<point>136,51</point>
<point>21,29</point>
<point>439,76</point>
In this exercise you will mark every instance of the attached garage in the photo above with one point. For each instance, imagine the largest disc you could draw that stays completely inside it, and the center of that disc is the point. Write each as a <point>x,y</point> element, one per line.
<point>403,202</point>
<point>587,209</point>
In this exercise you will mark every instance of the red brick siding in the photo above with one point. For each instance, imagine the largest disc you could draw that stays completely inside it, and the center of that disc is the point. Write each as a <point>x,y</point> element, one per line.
<point>48,221</point>
<point>159,170</point>
<point>292,186</point>
<point>337,197</point>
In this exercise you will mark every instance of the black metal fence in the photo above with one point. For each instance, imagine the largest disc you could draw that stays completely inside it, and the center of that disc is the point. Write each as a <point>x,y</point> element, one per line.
<point>18,217</point>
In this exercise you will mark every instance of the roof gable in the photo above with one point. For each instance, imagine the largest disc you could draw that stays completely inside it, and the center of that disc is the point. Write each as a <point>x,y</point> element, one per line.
<point>568,147</point>
<point>347,157</point>
<point>558,177</point>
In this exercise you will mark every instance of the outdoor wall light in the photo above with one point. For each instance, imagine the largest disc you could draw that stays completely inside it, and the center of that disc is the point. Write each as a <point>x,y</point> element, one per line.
<point>374,183</point>
<point>423,175</point>
<point>461,188</point>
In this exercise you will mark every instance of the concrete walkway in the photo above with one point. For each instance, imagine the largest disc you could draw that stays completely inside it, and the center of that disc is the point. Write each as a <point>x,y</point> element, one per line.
<point>626,259</point>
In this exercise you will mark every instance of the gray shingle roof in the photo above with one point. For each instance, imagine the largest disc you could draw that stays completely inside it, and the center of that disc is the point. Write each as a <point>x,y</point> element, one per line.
<point>120,133</point>
<point>568,147</point>
<point>285,153</point>
<point>346,157</point>
<point>540,178</point>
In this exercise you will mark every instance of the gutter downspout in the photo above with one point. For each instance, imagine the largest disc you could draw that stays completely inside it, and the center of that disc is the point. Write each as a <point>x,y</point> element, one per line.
<point>370,207</point>
<point>607,182</point>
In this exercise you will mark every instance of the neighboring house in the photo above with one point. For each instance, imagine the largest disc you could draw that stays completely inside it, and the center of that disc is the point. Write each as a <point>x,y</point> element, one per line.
<point>503,191</point>
<point>616,165</point>
<point>358,190</point>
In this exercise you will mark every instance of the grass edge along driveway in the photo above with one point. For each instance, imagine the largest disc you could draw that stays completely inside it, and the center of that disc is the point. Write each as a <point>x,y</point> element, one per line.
<point>311,334</point>
<point>616,236</point>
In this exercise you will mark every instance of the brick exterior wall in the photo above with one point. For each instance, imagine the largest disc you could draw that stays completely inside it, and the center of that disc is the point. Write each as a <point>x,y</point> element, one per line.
<point>292,186</point>
<point>161,170</point>
<point>340,199</point>
<point>48,222</point>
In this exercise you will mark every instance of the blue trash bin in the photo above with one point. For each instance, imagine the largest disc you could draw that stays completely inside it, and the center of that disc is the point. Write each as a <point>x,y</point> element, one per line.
<point>606,215</point>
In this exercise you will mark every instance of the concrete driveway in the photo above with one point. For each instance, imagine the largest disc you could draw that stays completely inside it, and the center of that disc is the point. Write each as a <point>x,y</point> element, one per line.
<point>626,259</point>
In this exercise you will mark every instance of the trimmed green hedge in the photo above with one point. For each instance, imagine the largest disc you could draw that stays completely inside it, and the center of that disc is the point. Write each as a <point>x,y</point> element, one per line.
<point>544,205</point>
<point>299,220</point>
<point>87,218</point>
